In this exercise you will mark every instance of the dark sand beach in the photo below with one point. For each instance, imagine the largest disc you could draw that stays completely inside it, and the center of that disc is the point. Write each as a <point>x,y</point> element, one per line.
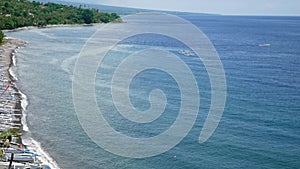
<point>11,103</point>
<point>10,97</point>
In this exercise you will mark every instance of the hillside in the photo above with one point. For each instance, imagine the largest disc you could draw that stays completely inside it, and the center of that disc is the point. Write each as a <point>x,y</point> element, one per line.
<point>20,13</point>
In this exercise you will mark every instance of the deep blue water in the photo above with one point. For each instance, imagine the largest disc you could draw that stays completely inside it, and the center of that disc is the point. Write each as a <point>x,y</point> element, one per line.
<point>260,127</point>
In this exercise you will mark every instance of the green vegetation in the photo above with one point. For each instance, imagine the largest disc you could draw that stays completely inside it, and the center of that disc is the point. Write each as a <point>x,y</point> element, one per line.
<point>9,133</point>
<point>1,37</point>
<point>20,13</point>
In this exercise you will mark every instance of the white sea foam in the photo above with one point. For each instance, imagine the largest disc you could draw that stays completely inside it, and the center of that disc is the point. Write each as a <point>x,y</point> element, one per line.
<point>32,144</point>
<point>11,71</point>
<point>24,104</point>
<point>14,59</point>
<point>44,157</point>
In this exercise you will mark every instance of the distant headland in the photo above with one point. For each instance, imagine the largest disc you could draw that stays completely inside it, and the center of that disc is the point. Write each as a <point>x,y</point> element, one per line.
<point>23,13</point>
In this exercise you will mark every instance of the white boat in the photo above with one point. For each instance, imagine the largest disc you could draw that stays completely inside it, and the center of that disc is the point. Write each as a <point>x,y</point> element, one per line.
<point>264,44</point>
<point>186,53</point>
<point>22,157</point>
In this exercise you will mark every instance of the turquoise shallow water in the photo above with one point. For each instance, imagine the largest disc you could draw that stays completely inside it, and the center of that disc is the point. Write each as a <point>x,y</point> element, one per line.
<point>260,125</point>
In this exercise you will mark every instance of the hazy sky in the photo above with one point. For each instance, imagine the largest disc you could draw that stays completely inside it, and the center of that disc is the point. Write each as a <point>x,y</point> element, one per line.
<point>236,7</point>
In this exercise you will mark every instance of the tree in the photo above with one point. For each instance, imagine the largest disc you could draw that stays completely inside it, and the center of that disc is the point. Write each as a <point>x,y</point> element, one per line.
<point>1,36</point>
<point>9,134</point>
<point>87,16</point>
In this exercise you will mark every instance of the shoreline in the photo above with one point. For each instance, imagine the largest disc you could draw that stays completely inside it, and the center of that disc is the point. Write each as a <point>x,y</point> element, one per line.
<point>17,102</point>
<point>47,26</point>
<point>58,25</point>
<point>7,52</point>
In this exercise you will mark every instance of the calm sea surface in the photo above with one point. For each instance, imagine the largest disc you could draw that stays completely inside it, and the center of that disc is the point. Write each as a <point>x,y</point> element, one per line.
<point>260,127</point>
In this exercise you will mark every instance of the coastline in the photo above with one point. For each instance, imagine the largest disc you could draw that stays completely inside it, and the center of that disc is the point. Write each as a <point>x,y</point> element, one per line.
<point>18,100</point>
<point>57,26</point>
<point>11,46</point>
<point>48,26</point>
<point>7,52</point>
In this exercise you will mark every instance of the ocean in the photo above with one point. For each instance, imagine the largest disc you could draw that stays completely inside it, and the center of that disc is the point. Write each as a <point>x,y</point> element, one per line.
<point>260,126</point>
